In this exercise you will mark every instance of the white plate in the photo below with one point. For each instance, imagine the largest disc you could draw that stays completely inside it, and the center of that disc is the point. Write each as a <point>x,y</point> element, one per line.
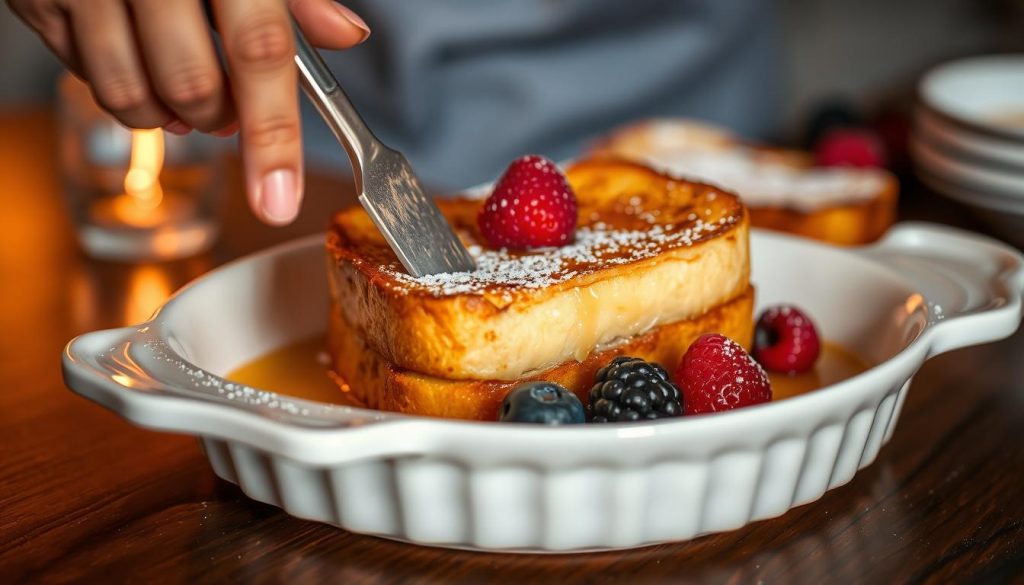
<point>1003,215</point>
<point>986,149</point>
<point>996,193</point>
<point>1007,183</point>
<point>971,196</point>
<point>490,486</point>
<point>973,92</point>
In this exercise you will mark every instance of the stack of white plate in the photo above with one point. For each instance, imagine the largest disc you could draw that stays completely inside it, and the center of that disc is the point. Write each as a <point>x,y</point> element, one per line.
<point>968,138</point>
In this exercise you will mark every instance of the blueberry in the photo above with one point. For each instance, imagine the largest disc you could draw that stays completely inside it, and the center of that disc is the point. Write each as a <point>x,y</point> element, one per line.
<point>541,402</point>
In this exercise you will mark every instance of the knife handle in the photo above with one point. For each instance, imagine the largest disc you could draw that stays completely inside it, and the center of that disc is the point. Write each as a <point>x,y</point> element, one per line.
<point>323,90</point>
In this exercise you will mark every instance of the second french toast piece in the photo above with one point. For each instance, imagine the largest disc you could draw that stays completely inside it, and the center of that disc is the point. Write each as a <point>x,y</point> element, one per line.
<point>781,188</point>
<point>650,250</point>
<point>372,381</point>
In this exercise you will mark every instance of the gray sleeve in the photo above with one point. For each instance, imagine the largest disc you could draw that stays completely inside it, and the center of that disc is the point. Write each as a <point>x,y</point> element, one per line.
<point>463,86</point>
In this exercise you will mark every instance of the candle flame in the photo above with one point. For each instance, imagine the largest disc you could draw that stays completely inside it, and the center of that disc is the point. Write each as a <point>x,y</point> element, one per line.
<point>142,182</point>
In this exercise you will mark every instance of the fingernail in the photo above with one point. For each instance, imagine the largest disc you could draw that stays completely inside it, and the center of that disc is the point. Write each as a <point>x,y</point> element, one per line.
<point>355,19</point>
<point>226,131</point>
<point>279,197</point>
<point>177,127</point>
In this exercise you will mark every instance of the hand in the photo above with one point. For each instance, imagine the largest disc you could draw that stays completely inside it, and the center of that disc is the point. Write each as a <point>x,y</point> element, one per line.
<point>151,63</point>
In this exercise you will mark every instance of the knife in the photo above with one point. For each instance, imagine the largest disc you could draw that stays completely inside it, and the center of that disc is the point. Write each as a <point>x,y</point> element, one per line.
<point>389,189</point>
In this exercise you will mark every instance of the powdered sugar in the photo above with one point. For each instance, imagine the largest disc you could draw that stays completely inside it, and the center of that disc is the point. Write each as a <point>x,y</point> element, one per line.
<point>200,380</point>
<point>596,247</point>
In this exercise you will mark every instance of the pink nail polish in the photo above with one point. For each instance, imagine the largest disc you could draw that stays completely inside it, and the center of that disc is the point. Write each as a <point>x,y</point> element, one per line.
<point>355,19</point>
<point>279,197</point>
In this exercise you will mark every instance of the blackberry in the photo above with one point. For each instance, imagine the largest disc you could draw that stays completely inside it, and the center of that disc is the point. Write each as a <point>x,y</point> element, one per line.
<point>629,389</point>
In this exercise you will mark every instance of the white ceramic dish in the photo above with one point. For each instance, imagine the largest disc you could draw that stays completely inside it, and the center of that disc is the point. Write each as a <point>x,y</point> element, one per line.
<point>489,486</point>
<point>976,92</point>
<point>1006,183</point>
<point>1003,215</point>
<point>984,149</point>
<point>973,197</point>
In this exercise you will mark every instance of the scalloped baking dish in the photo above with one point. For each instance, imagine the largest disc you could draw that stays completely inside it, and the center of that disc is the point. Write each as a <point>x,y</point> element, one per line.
<point>921,291</point>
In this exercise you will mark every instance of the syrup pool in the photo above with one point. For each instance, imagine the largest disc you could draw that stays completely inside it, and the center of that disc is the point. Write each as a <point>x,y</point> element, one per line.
<point>300,370</point>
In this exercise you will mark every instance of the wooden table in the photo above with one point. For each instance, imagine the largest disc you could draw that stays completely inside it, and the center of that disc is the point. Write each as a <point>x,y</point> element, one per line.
<point>85,496</point>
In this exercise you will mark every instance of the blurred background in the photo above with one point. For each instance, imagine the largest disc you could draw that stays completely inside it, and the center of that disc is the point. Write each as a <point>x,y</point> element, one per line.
<point>87,492</point>
<point>802,57</point>
<point>865,50</point>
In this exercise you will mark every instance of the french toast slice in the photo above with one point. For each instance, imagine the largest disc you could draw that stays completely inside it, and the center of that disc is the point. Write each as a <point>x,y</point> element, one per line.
<point>650,250</point>
<point>370,380</point>
<point>781,188</point>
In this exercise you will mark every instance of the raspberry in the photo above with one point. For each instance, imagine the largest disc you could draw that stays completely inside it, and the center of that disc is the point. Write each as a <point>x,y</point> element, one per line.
<point>785,340</point>
<point>630,389</point>
<point>532,206</point>
<point>851,148</point>
<point>718,374</point>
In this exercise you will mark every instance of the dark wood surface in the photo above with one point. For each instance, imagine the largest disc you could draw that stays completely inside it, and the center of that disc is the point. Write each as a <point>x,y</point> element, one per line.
<point>85,496</point>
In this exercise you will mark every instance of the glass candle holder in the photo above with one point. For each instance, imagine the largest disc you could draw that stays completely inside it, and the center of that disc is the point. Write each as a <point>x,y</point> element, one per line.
<point>137,194</point>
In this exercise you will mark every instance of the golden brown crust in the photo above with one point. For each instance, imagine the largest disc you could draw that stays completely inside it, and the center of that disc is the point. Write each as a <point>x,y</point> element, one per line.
<point>615,194</point>
<point>844,225</point>
<point>666,228</point>
<point>373,381</point>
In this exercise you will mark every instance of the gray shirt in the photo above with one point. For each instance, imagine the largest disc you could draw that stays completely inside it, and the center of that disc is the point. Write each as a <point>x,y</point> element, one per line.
<point>464,86</point>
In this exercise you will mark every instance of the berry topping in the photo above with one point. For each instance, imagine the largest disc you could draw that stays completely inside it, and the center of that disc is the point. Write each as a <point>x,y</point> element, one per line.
<point>632,389</point>
<point>718,374</point>
<point>541,402</point>
<point>785,340</point>
<point>850,147</point>
<point>532,206</point>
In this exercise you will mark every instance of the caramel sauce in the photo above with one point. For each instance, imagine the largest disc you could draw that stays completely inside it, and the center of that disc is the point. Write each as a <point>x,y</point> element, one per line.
<point>835,364</point>
<point>300,370</point>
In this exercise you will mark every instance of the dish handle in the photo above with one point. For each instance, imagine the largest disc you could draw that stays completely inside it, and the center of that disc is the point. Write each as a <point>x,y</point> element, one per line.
<point>134,373</point>
<point>972,285</point>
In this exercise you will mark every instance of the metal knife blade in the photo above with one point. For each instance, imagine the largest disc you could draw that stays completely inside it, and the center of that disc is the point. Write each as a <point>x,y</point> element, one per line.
<point>389,189</point>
